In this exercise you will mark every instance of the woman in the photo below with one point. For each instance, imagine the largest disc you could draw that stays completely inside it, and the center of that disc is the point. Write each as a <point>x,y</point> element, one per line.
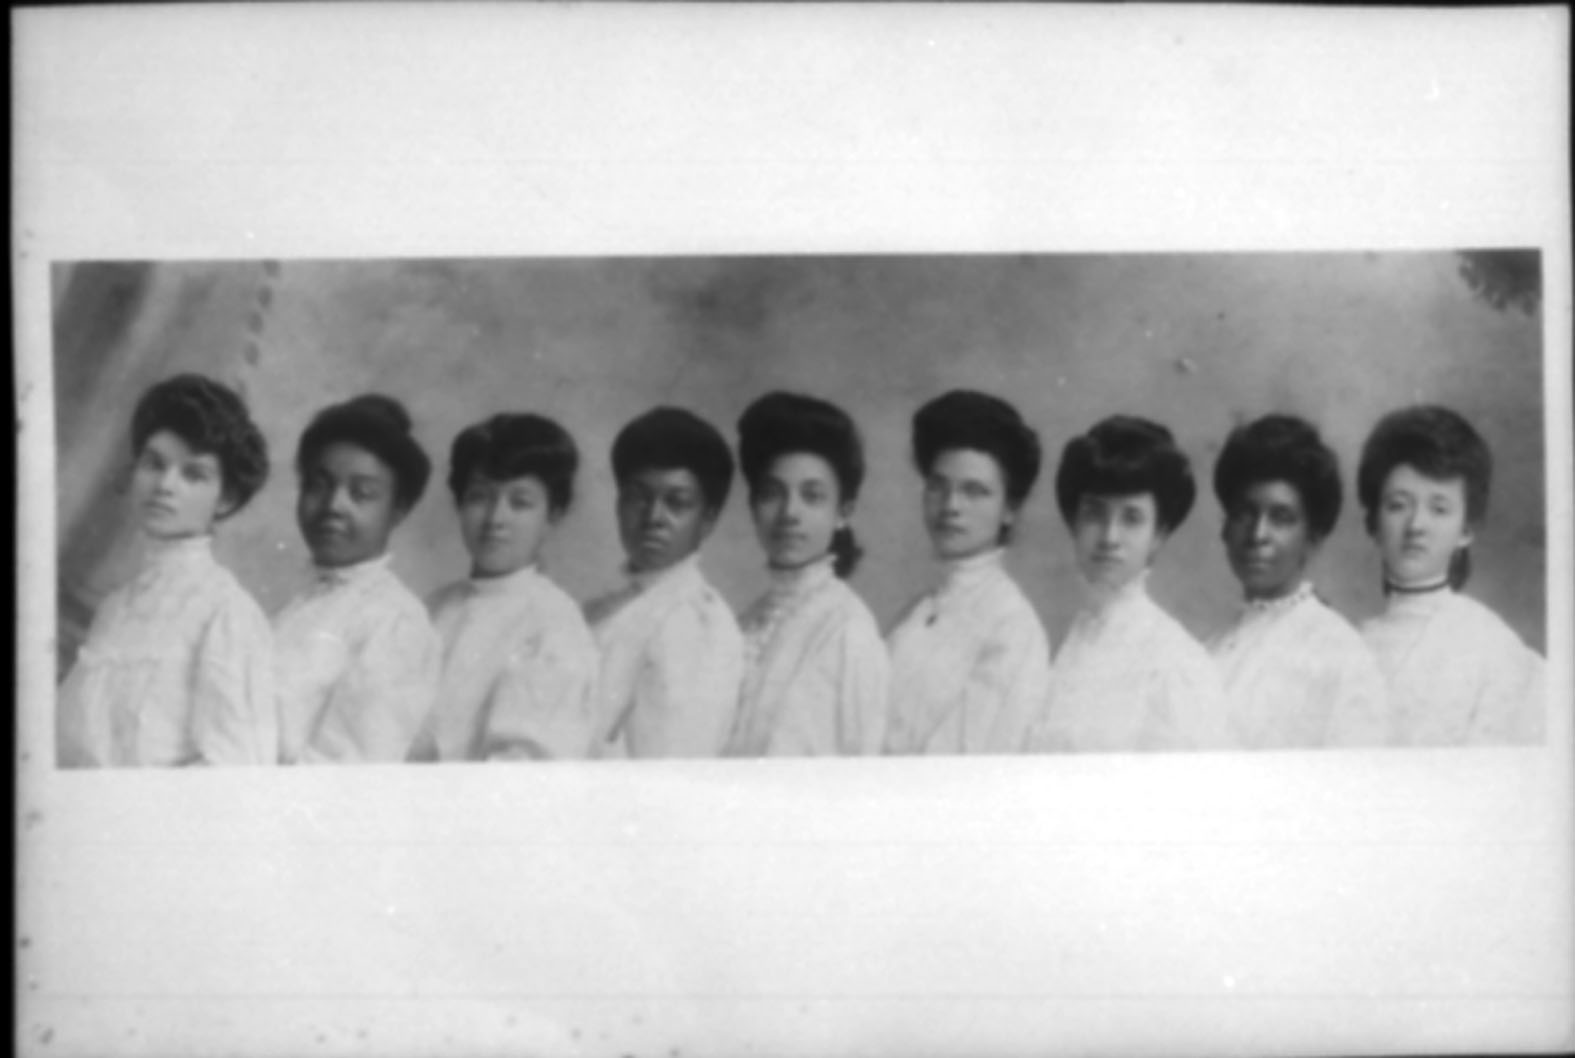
<point>672,656</point>
<point>1128,677</point>
<point>816,677</point>
<point>969,659</point>
<point>1457,674</point>
<point>1296,674</point>
<point>357,657</point>
<point>519,664</point>
<point>177,667</point>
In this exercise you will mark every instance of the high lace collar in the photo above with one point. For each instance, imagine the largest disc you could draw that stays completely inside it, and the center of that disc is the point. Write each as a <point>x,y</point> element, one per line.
<point>162,554</point>
<point>1259,608</point>
<point>1419,603</point>
<point>505,584</point>
<point>338,576</point>
<point>960,574</point>
<point>641,583</point>
<point>790,590</point>
<point>801,580</point>
<point>1103,601</point>
<point>1391,588</point>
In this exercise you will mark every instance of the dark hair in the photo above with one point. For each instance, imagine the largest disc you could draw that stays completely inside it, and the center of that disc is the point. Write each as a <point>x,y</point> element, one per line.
<point>1282,448</point>
<point>379,424</point>
<point>964,418</point>
<point>781,424</point>
<point>668,438</point>
<point>1438,443</point>
<point>510,446</point>
<point>212,420</point>
<point>1124,455</point>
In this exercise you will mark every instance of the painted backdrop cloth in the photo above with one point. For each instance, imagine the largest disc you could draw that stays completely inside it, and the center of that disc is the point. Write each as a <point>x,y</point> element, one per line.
<point>1298,676</point>
<point>1458,675</point>
<point>1129,678</point>
<point>358,665</point>
<point>672,661</point>
<point>177,669</point>
<point>970,664</point>
<point>519,672</point>
<point>816,675</point>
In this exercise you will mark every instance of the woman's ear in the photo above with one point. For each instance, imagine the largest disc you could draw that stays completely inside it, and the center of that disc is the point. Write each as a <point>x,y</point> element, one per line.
<point>1161,535</point>
<point>708,519</point>
<point>228,504</point>
<point>845,513</point>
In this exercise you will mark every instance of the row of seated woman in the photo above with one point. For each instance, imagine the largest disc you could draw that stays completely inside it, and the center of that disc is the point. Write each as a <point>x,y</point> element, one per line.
<point>182,667</point>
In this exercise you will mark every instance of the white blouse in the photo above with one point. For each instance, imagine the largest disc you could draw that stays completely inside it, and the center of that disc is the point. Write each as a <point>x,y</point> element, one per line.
<point>970,664</point>
<point>519,672</point>
<point>176,669</point>
<point>1298,676</point>
<point>357,664</point>
<point>816,676</point>
<point>672,660</point>
<point>1129,678</point>
<point>1457,673</point>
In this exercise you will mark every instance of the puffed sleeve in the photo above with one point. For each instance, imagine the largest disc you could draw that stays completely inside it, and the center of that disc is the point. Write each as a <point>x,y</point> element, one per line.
<point>862,676</point>
<point>379,703</point>
<point>234,712</point>
<point>1358,699</point>
<point>543,705</point>
<point>687,689</point>
<point>1007,687</point>
<point>1186,702</point>
<point>1511,703</point>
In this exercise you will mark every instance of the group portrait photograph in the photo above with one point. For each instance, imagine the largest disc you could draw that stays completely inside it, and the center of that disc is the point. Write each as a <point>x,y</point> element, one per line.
<point>692,529</point>
<point>552,509</point>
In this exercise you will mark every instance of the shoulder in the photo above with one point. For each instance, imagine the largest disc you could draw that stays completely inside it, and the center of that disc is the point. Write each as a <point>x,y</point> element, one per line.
<point>1327,627</point>
<point>558,611</point>
<point>1003,604</point>
<point>226,600</point>
<point>1468,613</point>
<point>400,600</point>
<point>1172,642</point>
<point>389,603</point>
<point>908,614</point>
<point>698,609</point>
<point>446,597</point>
<point>841,611</point>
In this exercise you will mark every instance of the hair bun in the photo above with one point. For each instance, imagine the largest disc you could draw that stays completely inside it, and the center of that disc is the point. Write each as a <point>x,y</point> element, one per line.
<point>381,406</point>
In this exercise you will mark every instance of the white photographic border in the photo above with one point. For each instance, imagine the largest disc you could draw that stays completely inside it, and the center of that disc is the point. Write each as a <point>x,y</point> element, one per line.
<point>1286,903</point>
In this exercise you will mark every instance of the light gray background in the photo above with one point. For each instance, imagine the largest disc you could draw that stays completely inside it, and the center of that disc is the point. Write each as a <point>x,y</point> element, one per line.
<point>1197,341</point>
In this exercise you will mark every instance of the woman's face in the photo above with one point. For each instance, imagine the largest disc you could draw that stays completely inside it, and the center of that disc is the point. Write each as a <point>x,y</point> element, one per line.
<point>504,523</point>
<point>1421,524</point>
<point>176,490</point>
<point>1116,537</point>
<point>965,508</point>
<point>347,507</point>
<point>1267,539</point>
<point>797,508</point>
<point>662,517</point>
